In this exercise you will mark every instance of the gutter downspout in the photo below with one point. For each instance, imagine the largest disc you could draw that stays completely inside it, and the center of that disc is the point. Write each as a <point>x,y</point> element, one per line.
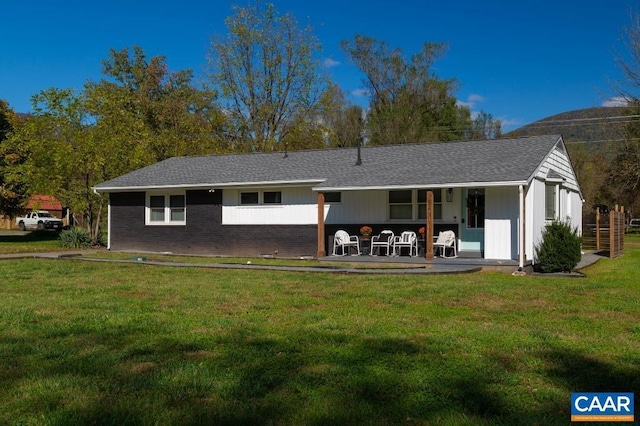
<point>521,231</point>
<point>109,224</point>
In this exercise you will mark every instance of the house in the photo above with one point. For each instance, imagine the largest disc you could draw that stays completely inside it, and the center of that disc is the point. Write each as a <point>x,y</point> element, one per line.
<point>496,195</point>
<point>45,202</point>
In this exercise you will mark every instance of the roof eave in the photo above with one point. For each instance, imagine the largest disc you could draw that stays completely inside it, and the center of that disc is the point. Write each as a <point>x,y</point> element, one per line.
<point>308,182</point>
<point>422,186</point>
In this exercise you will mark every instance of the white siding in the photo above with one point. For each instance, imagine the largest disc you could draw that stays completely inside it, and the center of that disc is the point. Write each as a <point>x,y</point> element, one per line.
<point>575,216</point>
<point>298,208</point>
<point>570,210</point>
<point>558,161</point>
<point>569,199</point>
<point>359,207</point>
<point>501,223</point>
<point>535,220</point>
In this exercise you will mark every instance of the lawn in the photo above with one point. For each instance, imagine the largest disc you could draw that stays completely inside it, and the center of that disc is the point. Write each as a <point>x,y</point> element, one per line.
<point>102,343</point>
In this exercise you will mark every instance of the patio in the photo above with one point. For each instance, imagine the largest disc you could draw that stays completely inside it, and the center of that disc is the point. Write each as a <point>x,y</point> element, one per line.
<point>465,262</point>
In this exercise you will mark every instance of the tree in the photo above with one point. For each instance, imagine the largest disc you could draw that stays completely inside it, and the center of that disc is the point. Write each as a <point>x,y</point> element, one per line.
<point>140,115</point>
<point>266,72</point>
<point>408,102</point>
<point>625,170</point>
<point>484,126</point>
<point>62,155</point>
<point>343,122</point>
<point>12,191</point>
<point>157,113</point>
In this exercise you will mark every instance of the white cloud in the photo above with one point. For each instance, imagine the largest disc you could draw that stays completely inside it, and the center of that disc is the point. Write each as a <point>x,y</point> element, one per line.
<point>330,63</point>
<point>360,93</point>
<point>509,124</point>
<point>471,101</point>
<point>616,101</point>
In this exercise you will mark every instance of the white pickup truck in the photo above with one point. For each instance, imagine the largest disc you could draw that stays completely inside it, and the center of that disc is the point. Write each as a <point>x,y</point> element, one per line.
<point>39,220</point>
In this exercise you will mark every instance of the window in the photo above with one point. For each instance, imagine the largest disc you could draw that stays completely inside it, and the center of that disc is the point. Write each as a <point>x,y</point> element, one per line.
<point>401,205</point>
<point>166,209</point>
<point>412,205</point>
<point>176,208</point>
<point>272,197</point>
<point>475,208</point>
<point>437,203</point>
<point>255,198</point>
<point>248,198</point>
<point>333,197</point>
<point>551,201</point>
<point>156,208</point>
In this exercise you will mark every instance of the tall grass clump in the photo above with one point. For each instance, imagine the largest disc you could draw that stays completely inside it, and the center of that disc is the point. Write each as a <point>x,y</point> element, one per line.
<point>560,249</point>
<point>75,237</point>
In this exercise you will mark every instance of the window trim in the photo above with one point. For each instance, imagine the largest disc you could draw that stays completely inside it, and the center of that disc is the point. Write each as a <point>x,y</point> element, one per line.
<point>167,209</point>
<point>556,200</point>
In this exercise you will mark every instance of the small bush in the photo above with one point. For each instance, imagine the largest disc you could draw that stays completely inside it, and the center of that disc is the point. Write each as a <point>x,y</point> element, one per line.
<point>75,238</point>
<point>560,250</point>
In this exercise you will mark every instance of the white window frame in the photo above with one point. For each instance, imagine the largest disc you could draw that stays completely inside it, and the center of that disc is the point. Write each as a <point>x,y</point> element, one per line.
<point>556,200</point>
<point>167,209</point>
<point>260,198</point>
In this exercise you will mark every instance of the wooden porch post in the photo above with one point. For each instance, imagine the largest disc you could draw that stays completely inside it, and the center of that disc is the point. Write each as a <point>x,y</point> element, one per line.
<point>612,232</point>
<point>598,228</point>
<point>428,237</point>
<point>321,251</point>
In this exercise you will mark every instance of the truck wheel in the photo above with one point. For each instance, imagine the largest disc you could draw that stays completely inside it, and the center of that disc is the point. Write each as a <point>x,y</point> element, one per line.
<point>22,227</point>
<point>40,226</point>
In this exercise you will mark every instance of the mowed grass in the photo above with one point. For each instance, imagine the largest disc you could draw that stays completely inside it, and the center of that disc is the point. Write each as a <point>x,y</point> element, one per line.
<point>103,343</point>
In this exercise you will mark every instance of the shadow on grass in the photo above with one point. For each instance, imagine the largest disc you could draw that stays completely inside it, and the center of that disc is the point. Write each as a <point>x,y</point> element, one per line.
<point>33,236</point>
<point>121,376</point>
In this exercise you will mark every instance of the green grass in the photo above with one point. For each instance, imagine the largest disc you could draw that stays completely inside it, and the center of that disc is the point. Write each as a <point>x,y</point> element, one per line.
<point>102,343</point>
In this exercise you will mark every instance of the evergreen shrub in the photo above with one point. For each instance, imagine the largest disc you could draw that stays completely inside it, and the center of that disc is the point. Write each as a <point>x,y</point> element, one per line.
<point>560,249</point>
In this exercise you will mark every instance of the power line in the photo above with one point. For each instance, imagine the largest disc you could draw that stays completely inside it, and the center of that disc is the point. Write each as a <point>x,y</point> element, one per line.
<point>572,120</point>
<point>601,141</point>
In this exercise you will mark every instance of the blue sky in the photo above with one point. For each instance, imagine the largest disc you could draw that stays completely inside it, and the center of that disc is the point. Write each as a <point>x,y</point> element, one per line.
<point>518,60</point>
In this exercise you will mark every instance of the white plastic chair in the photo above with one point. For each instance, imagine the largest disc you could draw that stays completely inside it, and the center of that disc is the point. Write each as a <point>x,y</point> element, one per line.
<point>343,240</point>
<point>406,239</point>
<point>446,240</point>
<point>383,240</point>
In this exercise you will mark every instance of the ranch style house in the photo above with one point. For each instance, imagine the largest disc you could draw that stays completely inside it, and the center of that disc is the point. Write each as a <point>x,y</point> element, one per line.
<point>496,195</point>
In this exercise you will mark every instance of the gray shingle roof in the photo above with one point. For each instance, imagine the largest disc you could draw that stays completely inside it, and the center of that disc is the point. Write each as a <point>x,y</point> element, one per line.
<point>416,165</point>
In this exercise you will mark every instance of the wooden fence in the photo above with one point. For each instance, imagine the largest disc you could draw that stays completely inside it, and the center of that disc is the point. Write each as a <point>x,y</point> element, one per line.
<point>605,232</point>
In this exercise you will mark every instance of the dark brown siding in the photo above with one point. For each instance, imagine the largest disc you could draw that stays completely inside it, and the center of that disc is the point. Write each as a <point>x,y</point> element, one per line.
<point>204,232</point>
